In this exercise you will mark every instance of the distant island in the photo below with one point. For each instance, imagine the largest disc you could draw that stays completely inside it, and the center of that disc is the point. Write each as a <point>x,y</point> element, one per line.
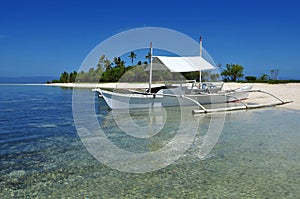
<point>112,71</point>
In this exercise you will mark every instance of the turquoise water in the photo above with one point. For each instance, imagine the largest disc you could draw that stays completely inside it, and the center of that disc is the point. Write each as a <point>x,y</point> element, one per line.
<point>41,155</point>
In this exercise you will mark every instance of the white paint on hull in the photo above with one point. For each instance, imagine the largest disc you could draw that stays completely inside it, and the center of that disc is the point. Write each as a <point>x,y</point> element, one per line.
<point>168,97</point>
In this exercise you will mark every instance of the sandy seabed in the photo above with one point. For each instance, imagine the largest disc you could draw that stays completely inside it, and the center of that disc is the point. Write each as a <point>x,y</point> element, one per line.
<point>286,92</point>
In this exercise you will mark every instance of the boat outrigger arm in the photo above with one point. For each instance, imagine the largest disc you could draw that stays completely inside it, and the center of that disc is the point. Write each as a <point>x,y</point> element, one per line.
<point>244,106</point>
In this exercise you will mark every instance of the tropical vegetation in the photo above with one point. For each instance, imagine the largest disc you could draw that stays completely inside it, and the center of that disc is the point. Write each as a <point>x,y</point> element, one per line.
<point>233,72</point>
<point>113,71</point>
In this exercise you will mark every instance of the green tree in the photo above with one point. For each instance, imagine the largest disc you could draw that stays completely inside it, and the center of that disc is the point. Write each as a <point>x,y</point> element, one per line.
<point>101,62</point>
<point>274,74</point>
<point>104,63</point>
<point>264,77</point>
<point>205,76</point>
<point>233,72</point>
<point>191,75</point>
<point>107,64</point>
<point>119,63</point>
<point>250,78</point>
<point>73,76</point>
<point>94,75</point>
<point>81,77</point>
<point>148,57</point>
<point>132,56</point>
<point>64,77</point>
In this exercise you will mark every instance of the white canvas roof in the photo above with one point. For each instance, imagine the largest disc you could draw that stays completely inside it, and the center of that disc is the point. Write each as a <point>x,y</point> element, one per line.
<point>183,64</point>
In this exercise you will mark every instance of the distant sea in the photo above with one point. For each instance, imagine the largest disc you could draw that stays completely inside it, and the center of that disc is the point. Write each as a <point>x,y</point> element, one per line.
<point>42,156</point>
<point>27,80</point>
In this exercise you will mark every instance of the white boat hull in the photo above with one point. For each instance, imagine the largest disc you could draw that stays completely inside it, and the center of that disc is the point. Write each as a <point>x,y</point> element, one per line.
<point>125,101</point>
<point>169,97</point>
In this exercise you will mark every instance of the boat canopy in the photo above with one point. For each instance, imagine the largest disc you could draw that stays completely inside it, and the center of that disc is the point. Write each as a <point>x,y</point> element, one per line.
<point>183,64</point>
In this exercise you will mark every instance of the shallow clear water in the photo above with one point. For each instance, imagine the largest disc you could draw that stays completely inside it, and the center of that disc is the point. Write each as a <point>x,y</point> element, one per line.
<point>41,155</point>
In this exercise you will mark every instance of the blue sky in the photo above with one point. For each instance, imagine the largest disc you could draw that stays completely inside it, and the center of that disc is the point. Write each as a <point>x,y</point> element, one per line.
<point>45,38</point>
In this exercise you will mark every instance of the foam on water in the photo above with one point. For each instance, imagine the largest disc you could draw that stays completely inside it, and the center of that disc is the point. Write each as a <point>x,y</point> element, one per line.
<point>44,125</point>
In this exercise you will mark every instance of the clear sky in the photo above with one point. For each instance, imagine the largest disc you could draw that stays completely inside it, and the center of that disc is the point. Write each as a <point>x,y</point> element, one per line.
<point>45,38</point>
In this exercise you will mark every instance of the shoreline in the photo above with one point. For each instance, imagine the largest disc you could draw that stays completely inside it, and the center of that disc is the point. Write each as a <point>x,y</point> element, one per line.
<point>286,92</point>
<point>102,85</point>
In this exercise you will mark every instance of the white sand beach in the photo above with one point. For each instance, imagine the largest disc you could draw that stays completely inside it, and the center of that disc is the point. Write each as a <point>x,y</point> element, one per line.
<point>286,92</point>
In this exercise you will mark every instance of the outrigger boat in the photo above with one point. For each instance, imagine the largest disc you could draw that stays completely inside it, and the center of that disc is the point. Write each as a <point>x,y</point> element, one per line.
<point>183,94</point>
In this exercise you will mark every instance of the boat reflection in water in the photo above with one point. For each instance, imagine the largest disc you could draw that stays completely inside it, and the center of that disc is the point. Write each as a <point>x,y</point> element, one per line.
<point>142,140</point>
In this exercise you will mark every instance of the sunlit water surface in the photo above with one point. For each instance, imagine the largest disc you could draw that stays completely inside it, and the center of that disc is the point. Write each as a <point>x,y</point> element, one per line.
<point>41,155</point>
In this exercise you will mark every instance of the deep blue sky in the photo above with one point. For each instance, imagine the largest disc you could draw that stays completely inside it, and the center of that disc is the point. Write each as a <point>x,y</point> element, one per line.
<point>45,38</point>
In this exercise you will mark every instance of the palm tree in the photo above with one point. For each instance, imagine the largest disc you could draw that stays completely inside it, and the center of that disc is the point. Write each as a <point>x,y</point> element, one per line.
<point>132,56</point>
<point>107,64</point>
<point>148,56</point>
<point>104,63</point>
<point>119,62</point>
<point>101,61</point>
<point>116,61</point>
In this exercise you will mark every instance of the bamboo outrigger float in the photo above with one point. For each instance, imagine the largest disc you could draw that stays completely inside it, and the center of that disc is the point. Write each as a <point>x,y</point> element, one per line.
<point>244,106</point>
